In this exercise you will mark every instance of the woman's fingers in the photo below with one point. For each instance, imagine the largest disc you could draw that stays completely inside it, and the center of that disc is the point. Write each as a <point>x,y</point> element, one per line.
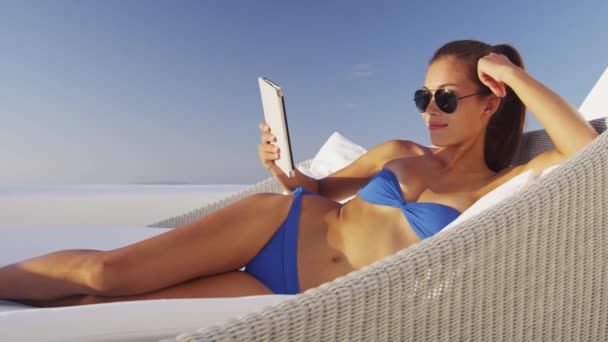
<point>268,138</point>
<point>267,151</point>
<point>490,69</point>
<point>264,127</point>
<point>498,88</point>
<point>270,156</point>
<point>269,148</point>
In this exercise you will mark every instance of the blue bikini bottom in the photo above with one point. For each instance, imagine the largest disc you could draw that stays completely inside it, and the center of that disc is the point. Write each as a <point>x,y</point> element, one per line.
<point>276,265</point>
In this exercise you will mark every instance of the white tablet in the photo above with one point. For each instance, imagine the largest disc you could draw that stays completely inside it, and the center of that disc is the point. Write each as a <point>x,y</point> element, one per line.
<point>275,117</point>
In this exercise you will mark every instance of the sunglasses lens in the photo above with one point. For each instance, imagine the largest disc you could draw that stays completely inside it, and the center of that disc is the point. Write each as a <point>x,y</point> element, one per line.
<point>446,100</point>
<point>422,98</point>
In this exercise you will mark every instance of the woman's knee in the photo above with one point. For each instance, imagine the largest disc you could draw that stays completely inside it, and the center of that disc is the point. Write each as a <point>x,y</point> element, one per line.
<point>105,275</point>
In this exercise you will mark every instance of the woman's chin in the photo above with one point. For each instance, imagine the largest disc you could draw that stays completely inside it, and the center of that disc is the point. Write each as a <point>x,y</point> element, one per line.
<point>437,142</point>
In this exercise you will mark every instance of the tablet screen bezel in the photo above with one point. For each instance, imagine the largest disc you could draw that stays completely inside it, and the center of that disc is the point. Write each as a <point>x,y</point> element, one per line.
<point>275,115</point>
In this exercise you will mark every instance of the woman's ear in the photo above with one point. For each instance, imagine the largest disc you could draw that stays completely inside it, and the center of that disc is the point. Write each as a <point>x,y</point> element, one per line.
<point>492,105</point>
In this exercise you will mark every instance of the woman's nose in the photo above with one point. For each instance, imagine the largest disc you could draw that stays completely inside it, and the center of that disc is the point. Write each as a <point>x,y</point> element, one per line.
<point>432,108</point>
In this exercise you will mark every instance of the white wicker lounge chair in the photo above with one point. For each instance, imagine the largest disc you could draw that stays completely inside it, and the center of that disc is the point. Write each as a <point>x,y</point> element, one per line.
<point>531,269</point>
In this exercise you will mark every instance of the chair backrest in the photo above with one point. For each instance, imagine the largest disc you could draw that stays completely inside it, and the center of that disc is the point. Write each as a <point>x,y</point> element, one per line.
<point>534,143</point>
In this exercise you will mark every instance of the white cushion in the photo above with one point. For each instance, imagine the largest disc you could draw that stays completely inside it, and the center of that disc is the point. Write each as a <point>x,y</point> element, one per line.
<point>305,170</point>
<point>148,320</point>
<point>494,197</point>
<point>547,171</point>
<point>595,104</point>
<point>335,154</point>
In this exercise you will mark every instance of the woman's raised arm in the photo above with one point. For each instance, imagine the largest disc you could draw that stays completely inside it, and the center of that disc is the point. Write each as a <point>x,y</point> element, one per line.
<point>567,128</point>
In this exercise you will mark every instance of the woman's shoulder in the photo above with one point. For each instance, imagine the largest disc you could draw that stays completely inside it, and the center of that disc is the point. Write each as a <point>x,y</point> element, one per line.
<point>393,149</point>
<point>397,145</point>
<point>401,148</point>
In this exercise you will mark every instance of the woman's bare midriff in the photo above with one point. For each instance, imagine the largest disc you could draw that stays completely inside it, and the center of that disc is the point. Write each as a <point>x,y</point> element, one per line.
<point>336,239</point>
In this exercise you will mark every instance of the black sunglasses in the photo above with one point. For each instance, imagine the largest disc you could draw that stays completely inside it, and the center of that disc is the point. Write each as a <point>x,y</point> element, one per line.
<point>445,99</point>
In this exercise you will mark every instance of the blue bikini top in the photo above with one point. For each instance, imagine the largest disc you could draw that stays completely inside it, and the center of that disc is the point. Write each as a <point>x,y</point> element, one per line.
<point>425,218</point>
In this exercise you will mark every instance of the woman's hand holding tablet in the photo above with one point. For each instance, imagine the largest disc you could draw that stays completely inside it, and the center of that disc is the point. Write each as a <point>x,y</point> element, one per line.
<point>275,148</point>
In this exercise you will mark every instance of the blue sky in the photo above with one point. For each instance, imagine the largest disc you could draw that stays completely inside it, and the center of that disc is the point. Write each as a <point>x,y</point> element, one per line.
<point>166,91</point>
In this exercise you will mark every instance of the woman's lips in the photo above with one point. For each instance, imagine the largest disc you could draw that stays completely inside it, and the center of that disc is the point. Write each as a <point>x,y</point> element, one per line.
<point>436,126</point>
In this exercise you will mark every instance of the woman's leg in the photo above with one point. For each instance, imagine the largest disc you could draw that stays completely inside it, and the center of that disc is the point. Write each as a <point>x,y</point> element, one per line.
<point>217,243</point>
<point>229,284</point>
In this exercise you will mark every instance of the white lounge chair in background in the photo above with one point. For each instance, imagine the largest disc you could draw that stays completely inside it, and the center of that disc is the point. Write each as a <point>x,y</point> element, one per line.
<point>594,105</point>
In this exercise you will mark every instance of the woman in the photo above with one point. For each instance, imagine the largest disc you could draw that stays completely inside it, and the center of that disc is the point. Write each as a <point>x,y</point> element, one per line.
<point>473,102</point>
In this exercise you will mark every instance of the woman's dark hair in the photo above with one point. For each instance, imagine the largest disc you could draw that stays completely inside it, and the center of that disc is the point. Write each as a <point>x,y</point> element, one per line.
<point>506,125</point>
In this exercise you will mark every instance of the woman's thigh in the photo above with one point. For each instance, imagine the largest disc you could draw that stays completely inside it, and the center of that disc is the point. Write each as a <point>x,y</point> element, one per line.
<point>229,284</point>
<point>217,243</point>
